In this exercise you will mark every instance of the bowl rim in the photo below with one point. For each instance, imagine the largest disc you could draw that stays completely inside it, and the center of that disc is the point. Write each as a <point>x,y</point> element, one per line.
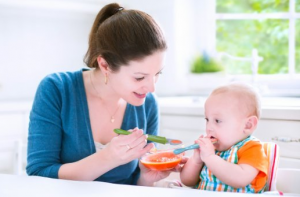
<point>177,158</point>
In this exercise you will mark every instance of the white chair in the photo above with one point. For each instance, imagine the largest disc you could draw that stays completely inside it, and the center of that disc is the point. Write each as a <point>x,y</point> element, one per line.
<point>11,152</point>
<point>272,152</point>
<point>288,181</point>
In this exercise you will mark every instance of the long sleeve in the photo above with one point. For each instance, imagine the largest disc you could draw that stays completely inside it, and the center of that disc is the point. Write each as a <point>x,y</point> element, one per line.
<point>45,131</point>
<point>60,130</point>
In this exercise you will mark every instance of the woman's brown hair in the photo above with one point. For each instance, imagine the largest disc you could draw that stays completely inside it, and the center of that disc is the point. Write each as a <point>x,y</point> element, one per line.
<point>120,35</point>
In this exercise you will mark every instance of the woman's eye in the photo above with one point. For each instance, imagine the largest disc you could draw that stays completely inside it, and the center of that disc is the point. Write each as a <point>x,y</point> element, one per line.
<point>159,73</point>
<point>218,121</point>
<point>140,79</point>
<point>206,119</point>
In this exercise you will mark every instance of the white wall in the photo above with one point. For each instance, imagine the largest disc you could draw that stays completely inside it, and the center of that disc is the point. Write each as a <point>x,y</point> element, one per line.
<point>36,40</point>
<point>41,37</point>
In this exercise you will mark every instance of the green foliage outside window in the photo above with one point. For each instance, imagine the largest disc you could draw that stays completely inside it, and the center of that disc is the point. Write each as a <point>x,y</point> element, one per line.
<point>205,64</point>
<point>252,6</point>
<point>269,37</point>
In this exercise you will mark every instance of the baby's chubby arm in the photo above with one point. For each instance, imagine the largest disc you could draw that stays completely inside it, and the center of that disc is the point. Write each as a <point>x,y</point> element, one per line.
<point>235,175</point>
<point>189,175</point>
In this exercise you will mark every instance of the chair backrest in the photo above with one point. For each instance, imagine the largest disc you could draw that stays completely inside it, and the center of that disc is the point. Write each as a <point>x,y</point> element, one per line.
<point>272,152</point>
<point>288,180</point>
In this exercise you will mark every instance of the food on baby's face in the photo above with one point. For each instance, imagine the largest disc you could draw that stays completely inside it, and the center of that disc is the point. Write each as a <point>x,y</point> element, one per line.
<point>213,139</point>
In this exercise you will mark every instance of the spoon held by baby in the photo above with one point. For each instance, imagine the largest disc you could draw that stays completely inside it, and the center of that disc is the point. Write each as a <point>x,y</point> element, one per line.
<point>193,146</point>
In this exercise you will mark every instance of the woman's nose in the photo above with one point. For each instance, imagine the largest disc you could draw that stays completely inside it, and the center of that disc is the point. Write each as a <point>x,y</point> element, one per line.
<point>151,85</point>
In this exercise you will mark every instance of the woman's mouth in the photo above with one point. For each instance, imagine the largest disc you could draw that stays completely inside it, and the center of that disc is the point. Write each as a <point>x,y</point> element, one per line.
<point>141,96</point>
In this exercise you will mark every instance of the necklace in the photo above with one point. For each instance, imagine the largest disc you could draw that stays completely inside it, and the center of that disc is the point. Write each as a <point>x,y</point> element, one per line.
<point>112,117</point>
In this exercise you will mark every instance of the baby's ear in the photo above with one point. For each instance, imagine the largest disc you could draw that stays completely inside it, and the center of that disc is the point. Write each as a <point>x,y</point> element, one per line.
<point>251,125</point>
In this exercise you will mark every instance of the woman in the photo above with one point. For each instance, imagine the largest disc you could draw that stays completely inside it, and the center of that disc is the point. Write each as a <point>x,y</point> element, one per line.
<point>74,113</point>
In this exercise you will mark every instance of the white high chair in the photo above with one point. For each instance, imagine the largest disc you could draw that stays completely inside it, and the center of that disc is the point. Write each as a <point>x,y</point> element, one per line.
<point>288,180</point>
<point>272,152</point>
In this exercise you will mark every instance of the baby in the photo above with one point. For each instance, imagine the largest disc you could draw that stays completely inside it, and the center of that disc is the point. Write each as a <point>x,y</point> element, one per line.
<point>236,162</point>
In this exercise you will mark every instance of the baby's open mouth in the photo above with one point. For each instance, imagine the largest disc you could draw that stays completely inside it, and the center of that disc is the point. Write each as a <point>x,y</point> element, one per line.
<point>213,139</point>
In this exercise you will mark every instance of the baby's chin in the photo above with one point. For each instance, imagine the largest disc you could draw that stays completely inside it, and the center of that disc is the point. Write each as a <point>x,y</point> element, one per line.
<point>218,147</point>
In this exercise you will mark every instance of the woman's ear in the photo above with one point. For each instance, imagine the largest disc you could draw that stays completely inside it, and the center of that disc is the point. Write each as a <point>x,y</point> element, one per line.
<point>250,125</point>
<point>102,64</point>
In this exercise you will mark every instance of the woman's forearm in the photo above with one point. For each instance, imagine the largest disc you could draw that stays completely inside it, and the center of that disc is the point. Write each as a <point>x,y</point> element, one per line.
<point>87,169</point>
<point>142,181</point>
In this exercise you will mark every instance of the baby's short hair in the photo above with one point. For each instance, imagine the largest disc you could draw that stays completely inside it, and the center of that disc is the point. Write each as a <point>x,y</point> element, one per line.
<point>245,93</point>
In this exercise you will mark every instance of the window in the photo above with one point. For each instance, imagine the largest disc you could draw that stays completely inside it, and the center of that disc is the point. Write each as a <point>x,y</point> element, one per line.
<point>270,26</point>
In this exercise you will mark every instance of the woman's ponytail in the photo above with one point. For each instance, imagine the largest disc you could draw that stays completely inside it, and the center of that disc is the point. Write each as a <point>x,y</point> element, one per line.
<point>106,12</point>
<point>120,36</point>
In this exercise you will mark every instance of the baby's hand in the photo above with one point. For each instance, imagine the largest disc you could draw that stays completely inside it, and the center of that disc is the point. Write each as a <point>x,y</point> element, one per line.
<point>196,156</point>
<point>206,148</point>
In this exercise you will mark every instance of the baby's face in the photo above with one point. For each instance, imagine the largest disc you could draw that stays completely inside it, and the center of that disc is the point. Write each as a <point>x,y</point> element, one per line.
<point>225,120</point>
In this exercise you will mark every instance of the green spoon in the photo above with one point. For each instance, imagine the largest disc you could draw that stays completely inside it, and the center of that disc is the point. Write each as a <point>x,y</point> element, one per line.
<point>153,138</point>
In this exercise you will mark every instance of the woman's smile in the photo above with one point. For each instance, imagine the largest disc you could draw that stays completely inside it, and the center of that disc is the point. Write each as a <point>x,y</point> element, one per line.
<point>141,96</point>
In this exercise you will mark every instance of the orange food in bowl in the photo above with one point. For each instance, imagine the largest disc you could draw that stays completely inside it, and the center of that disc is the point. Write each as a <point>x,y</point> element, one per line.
<point>161,160</point>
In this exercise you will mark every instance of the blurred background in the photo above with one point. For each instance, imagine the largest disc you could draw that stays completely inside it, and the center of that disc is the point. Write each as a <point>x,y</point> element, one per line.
<point>45,36</point>
<point>210,42</point>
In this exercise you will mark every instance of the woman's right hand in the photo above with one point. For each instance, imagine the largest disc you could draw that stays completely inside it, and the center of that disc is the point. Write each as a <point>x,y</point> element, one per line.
<point>125,148</point>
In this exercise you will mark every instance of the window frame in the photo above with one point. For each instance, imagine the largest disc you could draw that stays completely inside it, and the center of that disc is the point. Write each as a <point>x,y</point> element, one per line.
<point>288,81</point>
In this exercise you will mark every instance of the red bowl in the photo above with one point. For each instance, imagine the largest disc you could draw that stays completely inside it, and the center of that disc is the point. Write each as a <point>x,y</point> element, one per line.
<point>161,160</point>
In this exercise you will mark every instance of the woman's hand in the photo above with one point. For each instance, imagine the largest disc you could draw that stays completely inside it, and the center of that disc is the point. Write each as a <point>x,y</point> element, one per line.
<point>179,167</point>
<point>149,177</point>
<point>125,148</point>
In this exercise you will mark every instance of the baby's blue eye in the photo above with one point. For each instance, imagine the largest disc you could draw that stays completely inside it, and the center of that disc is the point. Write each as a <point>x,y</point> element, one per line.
<point>218,121</point>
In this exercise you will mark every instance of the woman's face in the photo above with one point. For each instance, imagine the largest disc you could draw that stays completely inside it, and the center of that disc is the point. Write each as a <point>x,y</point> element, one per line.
<point>134,81</point>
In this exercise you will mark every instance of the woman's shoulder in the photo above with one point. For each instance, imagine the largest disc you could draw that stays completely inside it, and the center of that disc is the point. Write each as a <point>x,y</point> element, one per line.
<point>61,83</point>
<point>61,79</point>
<point>63,76</point>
